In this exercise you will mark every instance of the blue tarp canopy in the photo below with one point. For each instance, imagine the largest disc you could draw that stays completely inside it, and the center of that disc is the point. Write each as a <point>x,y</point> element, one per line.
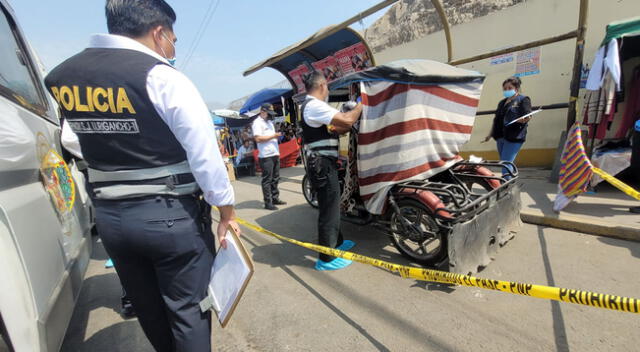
<point>217,120</point>
<point>230,122</point>
<point>267,95</point>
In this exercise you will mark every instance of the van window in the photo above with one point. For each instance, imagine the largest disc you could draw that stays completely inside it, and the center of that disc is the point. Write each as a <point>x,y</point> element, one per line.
<point>16,79</point>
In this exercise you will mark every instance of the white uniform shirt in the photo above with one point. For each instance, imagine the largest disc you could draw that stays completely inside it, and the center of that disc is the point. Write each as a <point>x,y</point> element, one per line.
<point>318,113</point>
<point>70,140</point>
<point>181,107</point>
<point>264,128</point>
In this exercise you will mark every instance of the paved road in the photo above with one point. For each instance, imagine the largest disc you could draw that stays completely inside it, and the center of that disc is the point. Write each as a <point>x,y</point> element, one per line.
<point>291,307</point>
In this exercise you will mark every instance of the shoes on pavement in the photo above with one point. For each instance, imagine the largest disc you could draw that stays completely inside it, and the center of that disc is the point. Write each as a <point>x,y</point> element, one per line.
<point>109,264</point>
<point>635,210</point>
<point>335,264</point>
<point>279,202</point>
<point>127,311</point>
<point>346,245</point>
<point>270,206</point>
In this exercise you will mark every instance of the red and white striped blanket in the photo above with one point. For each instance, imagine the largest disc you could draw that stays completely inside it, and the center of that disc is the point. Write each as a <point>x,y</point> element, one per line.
<point>410,132</point>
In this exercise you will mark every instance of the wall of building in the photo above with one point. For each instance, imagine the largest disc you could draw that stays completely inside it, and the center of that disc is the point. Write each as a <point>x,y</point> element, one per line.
<point>519,24</point>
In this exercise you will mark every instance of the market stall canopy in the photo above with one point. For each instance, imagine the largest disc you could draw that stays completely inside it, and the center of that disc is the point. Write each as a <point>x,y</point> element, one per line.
<point>414,71</point>
<point>619,29</point>
<point>227,113</point>
<point>217,120</point>
<point>239,123</point>
<point>320,46</point>
<point>229,118</point>
<point>267,95</point>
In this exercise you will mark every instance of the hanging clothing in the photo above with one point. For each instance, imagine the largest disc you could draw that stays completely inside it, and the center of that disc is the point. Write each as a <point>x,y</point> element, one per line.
<point>607,59</point>
<point>602,84</point>
<point>600,108</point>
<point>632,110</point>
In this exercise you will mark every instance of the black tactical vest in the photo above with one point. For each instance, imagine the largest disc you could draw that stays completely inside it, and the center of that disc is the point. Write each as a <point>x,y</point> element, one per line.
<point>318,139</point>
<point>103,95</point>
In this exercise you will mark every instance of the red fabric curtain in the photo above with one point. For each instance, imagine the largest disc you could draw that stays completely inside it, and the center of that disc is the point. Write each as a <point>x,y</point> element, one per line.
<point>289,152</point>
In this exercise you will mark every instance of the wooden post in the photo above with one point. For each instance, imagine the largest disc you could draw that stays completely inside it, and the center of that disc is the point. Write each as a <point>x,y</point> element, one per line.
<point>577,63</point>
<point>541,42</point>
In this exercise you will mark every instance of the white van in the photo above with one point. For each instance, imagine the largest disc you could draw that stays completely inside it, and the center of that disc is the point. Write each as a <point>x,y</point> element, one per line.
<point>45,215</point>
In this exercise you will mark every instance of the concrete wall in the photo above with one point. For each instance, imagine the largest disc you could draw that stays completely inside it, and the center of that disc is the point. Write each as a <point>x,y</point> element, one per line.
<point>519,24</point>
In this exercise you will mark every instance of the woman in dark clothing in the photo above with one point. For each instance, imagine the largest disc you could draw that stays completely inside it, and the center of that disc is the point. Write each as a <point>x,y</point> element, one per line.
<point>509,136</point>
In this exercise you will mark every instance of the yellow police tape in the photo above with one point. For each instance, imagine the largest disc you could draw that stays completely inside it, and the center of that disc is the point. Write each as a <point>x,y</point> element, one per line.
<point>598,300</point>
<point>617,183</point>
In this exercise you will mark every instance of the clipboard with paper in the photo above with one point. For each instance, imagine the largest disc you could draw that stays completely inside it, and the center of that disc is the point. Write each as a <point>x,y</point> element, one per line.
<point>232,269</point>
<point>524,117</point>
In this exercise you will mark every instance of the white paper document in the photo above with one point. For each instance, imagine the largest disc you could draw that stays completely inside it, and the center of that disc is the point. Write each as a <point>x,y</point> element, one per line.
<point>524,117</point>
<point>230,274</point>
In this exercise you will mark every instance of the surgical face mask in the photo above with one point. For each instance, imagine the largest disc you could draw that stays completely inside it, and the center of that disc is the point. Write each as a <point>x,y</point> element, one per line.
<point>509,93</point>
<point>172,61</point>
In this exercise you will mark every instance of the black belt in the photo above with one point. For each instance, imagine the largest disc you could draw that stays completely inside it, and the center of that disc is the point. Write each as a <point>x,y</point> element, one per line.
<point>169,180</point>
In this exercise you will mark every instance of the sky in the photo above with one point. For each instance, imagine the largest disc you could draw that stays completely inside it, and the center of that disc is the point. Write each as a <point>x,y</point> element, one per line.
<point>240,34</point>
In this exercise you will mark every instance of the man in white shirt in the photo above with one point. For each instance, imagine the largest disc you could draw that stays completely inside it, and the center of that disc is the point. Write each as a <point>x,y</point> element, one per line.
<point>266,137</point>
<point>244,152</point>
<point>147,137</point>
<point>244,158</point>
<point>321,125</point>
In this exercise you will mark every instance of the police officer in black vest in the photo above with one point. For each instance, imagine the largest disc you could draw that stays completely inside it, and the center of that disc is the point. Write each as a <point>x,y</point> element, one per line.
<point>321,126</point>
<point>148,139</point>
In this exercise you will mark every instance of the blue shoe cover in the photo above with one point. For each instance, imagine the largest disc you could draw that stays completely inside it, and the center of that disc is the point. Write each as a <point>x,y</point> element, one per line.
<point>335,264</point>
<point>346,245</point>
<point>108,264</point>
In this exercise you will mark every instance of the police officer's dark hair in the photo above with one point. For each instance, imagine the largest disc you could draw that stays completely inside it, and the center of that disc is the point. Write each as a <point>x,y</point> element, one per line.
<point>515,81</point>
<point>313,80</point>
<point>134,18</point>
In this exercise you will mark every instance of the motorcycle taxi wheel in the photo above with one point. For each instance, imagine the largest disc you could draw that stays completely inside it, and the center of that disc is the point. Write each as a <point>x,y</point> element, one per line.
<point>424,242</point>
<point>309,194</point>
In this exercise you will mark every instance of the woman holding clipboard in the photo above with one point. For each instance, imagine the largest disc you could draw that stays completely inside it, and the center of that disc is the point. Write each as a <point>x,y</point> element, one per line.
<point>509,130</point>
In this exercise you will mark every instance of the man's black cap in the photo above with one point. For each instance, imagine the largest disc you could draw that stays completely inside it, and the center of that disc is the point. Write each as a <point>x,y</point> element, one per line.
<point>268,108</point>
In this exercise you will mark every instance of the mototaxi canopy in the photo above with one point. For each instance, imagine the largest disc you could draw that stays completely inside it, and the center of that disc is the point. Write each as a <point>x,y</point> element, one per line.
<point>311,51</point>
<point>411,71</point>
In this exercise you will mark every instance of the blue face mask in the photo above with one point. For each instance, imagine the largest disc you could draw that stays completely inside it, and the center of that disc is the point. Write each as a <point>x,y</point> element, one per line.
<point>172,61</point>
<point>509,93</point>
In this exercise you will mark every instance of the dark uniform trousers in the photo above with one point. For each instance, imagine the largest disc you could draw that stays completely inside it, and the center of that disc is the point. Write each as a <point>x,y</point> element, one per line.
<point>270,177</point>
<point>324,179</point>
<point>163,250</point>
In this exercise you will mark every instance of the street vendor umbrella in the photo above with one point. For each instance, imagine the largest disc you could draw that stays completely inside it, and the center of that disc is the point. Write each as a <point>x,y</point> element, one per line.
<point>267,95</point>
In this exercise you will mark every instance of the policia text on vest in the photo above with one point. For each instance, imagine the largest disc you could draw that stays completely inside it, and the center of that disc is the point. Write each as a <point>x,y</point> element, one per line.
<point>97,99</point>
<point>93,99</point>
